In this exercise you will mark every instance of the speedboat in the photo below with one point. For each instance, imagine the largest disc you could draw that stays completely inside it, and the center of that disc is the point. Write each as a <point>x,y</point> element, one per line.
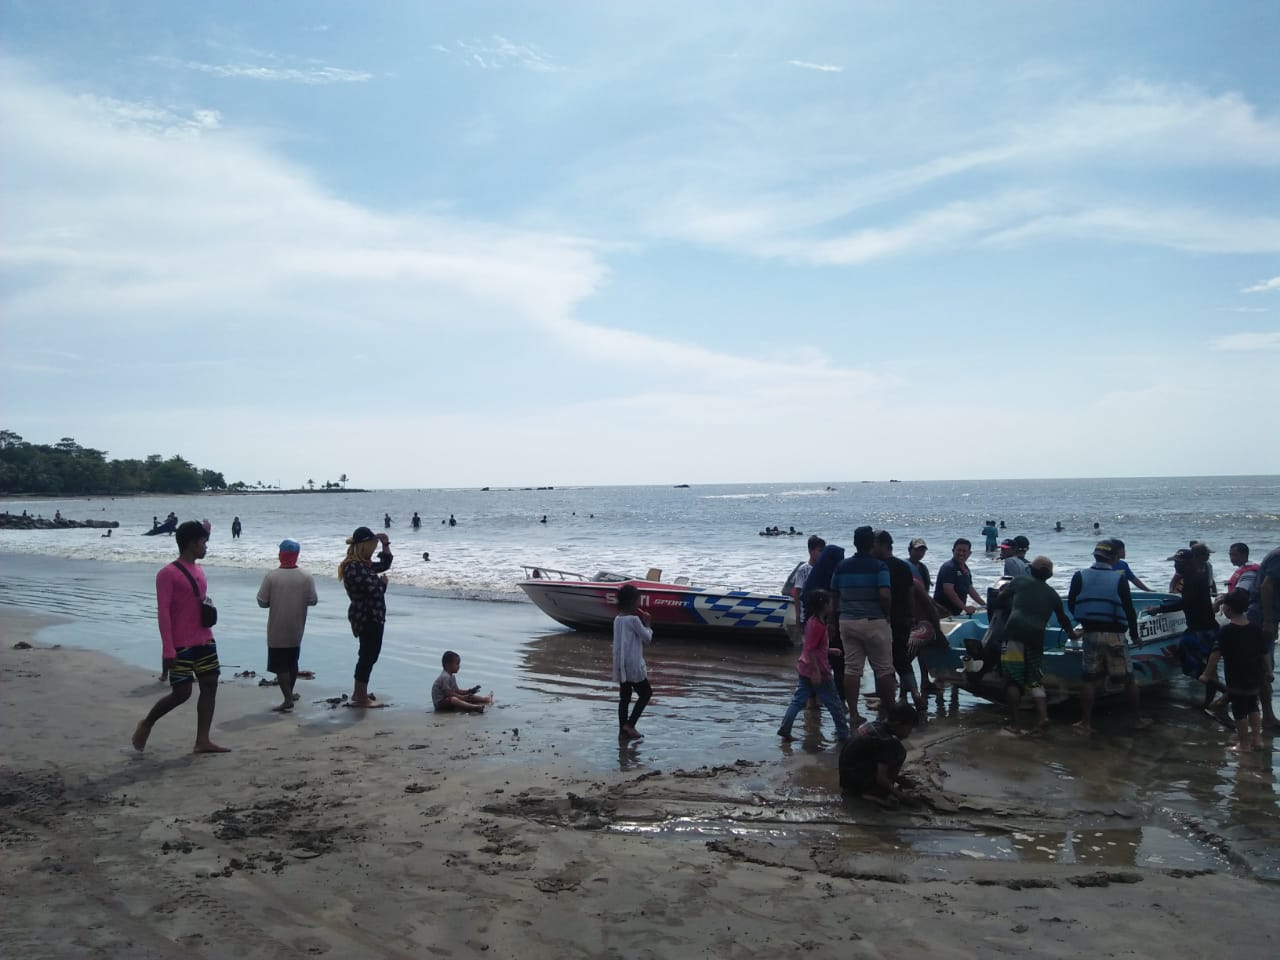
<point>676,608</point>
<point>965,662</point>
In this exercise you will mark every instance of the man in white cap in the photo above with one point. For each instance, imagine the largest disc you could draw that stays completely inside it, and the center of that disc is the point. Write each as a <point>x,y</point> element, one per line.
<point>286,592</point>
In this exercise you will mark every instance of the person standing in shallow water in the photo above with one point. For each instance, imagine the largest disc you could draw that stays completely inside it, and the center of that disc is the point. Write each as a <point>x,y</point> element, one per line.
<point>189,652</point>
<point>631,632</point>
<point>366,584</point>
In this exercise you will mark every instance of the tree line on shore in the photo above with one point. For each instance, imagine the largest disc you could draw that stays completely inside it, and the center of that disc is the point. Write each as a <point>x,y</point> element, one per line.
<point>69,469</point>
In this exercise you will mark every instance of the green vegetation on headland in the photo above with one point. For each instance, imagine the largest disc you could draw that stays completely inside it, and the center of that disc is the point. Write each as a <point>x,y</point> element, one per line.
<point>66,468</point>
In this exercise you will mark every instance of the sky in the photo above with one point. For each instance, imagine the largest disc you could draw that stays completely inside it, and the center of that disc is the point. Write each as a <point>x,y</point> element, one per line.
<point>430,244</point>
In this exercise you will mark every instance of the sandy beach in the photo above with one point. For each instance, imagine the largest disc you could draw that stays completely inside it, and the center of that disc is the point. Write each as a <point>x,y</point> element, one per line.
<point>399,833</point>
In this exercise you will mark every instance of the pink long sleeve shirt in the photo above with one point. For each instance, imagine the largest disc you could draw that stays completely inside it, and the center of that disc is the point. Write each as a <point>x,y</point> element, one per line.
<point>814,651</point>
<point>178,609</point>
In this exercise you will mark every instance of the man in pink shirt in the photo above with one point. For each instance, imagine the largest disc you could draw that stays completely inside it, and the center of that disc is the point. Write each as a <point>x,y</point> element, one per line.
<point>190,655</point>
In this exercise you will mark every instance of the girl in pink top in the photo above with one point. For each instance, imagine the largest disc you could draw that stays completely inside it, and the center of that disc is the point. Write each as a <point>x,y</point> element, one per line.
<point>814,668</point>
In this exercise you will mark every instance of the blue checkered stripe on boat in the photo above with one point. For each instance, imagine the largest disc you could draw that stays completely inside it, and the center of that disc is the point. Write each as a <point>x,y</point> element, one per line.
<point>741,609</point>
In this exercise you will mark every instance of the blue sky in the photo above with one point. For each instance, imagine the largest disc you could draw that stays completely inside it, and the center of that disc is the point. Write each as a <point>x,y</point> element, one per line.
<point>441,244</point>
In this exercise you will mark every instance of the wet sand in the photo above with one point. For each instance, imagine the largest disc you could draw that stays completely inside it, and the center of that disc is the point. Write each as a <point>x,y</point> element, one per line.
<point>399,833</point>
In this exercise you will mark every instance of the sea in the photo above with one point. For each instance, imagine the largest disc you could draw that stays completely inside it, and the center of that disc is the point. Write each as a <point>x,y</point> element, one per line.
<point>455,587</point>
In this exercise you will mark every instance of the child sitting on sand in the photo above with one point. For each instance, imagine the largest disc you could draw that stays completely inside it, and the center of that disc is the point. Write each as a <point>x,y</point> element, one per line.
<point>871,762</point>
<point>814,667</point>
<point>445,694</point>
<point>1243,650</point>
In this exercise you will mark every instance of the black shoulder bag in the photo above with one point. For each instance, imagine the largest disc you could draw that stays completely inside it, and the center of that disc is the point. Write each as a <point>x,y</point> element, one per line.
<point>208,612</point>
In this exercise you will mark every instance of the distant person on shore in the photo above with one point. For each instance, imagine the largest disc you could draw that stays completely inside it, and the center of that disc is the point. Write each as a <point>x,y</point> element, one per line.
<point>1099,598</point>
<point>955,582</point>
<point>235,528</point>
<point>1202,552</point>
<point>1029,602</point>
<point>991,533</point>
<point>187,645</point>
<point>631,632</point>
<point>904,586</point>
<point>366,584</point>
<point>824,566</point>
<point>1264,610</point>
<point>416,522</point>
<point>1245,572</point>
<point>386,521</point>
<point>871,762</point>
<point>108,533</point>
<point>445,694</point>
<point>544,519</point>
<point>793,586</point>
<point>1016,564</point>
<point>815,675</point>
<point>286,593</point>
<point>1057,527</point>
<point>1120,564</point>
<point>860,589</point>
<point>916,550</point>
<point>452,521</point>
<point>1202,625</point>
<point>1246,669</point>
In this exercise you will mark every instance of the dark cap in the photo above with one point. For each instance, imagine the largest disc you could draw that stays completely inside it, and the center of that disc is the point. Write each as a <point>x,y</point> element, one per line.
<point>1104,550</point>
<point>362,535</point>
<point>918,542</point>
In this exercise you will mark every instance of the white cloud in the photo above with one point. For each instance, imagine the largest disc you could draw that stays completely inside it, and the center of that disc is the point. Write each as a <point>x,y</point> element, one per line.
<point>310,75</point>
<point>498,52</point>
<point>1248,341</point>
<point>1264,286</point>
<point>879,180</point>
<point>1195,229</point>
<point>820,67</point>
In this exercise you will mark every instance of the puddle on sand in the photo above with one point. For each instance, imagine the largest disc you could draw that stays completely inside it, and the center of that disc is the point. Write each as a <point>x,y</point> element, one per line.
<point>1148,846</point>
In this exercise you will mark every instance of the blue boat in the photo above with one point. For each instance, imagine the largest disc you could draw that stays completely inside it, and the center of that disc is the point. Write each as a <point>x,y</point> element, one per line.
<point>964,663</point>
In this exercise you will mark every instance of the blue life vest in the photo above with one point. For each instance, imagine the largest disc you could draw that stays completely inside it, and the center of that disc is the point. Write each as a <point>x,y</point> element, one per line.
<point>1099,597</point>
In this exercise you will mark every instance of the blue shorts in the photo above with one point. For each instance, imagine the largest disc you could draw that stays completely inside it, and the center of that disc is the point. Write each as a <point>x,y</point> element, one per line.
<point>194,662</point>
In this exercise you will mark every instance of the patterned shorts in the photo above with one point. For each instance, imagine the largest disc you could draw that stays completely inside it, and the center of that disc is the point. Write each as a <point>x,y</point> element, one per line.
<point>194,662</point>
<point>1022,664</point>
<point>1106,655</point>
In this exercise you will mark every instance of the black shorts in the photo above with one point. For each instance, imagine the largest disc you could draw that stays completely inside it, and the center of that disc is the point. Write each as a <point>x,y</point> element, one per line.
<point>1243,704</point>
<point>283,659</point>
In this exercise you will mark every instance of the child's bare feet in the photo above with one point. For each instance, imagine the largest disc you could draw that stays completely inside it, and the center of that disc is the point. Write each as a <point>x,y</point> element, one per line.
<point>208,746</point>
<point>140,734</point>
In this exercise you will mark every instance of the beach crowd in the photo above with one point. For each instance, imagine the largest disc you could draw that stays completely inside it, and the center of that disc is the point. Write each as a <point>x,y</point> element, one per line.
<point>869,610</point>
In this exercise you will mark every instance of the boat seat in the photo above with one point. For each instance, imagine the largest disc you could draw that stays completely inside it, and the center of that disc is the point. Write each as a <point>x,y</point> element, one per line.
<point>681,581</point>
<point>655,573</point>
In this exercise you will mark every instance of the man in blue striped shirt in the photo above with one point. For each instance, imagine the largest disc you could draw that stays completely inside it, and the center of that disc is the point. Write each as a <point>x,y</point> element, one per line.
<point>861,587</point>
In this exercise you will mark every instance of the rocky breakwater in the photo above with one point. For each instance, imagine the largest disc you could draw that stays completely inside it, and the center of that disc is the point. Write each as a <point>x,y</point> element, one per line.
<point>24,521</point>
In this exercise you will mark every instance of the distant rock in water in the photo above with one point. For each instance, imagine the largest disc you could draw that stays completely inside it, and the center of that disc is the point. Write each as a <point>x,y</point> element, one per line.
<point>16,521</point>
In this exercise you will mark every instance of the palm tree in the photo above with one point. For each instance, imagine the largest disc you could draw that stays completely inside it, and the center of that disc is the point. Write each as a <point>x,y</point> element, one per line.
<point>311,484</point>
<point>343,480</point>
